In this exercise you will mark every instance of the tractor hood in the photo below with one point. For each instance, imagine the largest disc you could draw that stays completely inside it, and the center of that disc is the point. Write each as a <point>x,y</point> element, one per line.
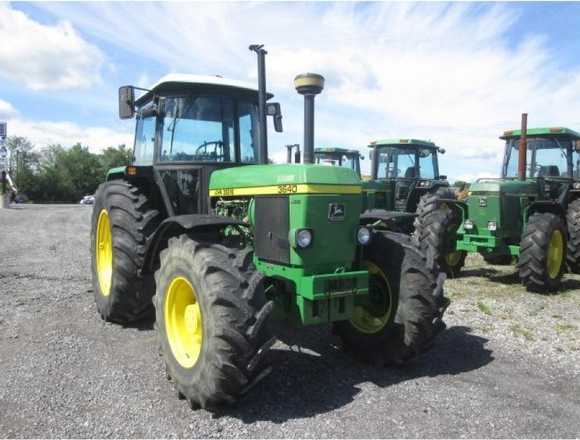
<point>492,186</point>
<point>283,179</point>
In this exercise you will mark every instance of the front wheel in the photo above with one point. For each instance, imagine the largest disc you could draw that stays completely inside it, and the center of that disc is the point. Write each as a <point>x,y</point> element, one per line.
<point>543,252</point>
<point>212,320</point>
<point>402,312</point>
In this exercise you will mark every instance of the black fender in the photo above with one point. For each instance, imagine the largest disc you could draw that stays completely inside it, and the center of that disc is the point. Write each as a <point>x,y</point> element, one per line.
<point>179,224</point>
<point>392,220</point>
<point>546,206</point>
<point>459,207</point>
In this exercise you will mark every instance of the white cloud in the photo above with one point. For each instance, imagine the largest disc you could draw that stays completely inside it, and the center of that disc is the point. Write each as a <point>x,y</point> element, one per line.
<point>44,133</point>
<point>65,133</point>
<point>457,74</point>
<point>44,57</point>
<point>6,110</point>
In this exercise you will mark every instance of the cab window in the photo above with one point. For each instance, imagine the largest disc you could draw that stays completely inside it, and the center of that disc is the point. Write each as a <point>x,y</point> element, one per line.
<point>144,140</point>
<point>199,128</point>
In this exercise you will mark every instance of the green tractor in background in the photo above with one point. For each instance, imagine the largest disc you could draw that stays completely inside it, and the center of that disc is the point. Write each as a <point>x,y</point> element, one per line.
<point>531,213</point>
<point>341,157</point>
<point>220,243</point>
<point>405,184</point>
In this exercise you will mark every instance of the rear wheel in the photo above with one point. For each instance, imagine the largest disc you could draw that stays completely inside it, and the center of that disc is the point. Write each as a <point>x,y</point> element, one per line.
<point>403,311</point>
<point>543,252</point>
<point>429,202</point>
<point>212,321</point>
<point>122,220</point>
<point>573,223</point>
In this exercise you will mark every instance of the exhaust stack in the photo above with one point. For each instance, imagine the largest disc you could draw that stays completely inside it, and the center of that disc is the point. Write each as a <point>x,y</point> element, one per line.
<point>309,85</point>
<point>263,129</point>
<point>523,148</point>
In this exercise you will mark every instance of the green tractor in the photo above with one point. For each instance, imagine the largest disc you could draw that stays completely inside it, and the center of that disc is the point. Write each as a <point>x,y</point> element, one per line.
<point>341,157</point>
<point>405,183</point>
<point>220,243</point>
<point>531,214</point>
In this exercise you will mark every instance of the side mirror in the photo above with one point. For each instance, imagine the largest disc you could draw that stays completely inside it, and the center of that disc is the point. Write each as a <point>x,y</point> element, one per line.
<point>441,150</point>
<point>443,177</point>
<point>273,109</point>
<point>126,102</point>
<point>297,156</point>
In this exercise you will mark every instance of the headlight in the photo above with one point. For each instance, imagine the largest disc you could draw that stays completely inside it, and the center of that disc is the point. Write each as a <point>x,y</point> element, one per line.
<point>303,238</point>
<point>468,225</point>
<point>363,235</point>
<point>492,226</point>
<point>576,185</point>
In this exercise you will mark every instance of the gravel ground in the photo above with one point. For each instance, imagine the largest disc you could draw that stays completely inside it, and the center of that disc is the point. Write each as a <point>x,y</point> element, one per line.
<point>507,366</point>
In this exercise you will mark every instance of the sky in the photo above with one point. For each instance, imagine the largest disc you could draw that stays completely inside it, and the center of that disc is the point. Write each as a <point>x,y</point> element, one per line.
<point>458,74</point>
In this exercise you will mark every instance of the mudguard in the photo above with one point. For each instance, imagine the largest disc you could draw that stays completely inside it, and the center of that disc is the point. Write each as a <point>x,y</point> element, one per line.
<point>180,224</point>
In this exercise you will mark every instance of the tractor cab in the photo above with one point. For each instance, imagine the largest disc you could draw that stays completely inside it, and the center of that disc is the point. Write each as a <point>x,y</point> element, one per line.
<point>340,157</point>
<point>406,169</point>
<point>187,127</point>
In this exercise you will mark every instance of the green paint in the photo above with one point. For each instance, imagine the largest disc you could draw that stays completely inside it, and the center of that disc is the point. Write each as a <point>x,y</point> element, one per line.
<point>538,132</point>
<point>285,174</point>
<point>399,142</point>
<point>116,173</point>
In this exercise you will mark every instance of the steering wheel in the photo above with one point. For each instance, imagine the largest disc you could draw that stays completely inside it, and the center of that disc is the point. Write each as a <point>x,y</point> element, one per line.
<point>217,155</point>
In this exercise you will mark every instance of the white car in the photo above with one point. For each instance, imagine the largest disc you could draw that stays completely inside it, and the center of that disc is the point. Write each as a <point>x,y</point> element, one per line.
<point>87,200</point>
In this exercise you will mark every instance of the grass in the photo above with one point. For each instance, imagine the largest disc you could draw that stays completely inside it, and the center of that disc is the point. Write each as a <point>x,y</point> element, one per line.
<point>518,330</point>
<point>563,327</point>
<point>484,308</point>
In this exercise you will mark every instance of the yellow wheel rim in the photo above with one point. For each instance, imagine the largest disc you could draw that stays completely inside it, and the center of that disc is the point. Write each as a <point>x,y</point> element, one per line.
<point>183,322</point>
<point>452,258</point>
<point>363,320</point>
<point>555,254</point>
<point>104,252</point>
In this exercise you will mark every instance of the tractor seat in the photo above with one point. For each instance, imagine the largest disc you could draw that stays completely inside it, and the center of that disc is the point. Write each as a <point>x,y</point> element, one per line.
<point>549,171</point>
<point>410,173</point>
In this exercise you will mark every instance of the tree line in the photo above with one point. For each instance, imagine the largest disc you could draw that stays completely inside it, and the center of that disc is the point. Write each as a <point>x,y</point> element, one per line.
<point>59,174</point>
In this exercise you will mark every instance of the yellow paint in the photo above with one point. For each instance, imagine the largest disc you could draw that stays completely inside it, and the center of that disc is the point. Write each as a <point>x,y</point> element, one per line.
<point>362,319</point>
<point>183,321</point>
<point>555,254</point>
<point>104,253</point>
<point>286,189</point>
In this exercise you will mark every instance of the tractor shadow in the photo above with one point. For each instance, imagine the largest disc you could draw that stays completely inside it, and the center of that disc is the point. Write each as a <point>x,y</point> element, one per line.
<point>504,276</point>
<point>311,376</point>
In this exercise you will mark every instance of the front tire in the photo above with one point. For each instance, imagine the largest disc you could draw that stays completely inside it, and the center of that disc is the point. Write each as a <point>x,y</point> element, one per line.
<point>212,320</point>
<point>122,220</point>
<point>543,253</point>
<point>404,307</point>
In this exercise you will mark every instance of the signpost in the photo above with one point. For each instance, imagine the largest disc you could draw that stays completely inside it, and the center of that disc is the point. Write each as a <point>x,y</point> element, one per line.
<point>4,178</point>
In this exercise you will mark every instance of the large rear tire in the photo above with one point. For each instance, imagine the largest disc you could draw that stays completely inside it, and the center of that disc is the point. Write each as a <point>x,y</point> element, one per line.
<point>404,308</point>
<point>435,234</point>
<point>122,220</point>
<point>212,320</point>
<point>429,202</point>
<point>573,224</point>
<point>543,253</point>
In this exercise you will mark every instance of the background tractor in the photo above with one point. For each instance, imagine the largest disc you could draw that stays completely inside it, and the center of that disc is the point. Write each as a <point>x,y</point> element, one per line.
<point>221,243</point>
<point>405,185</point>
<point>531,213</point>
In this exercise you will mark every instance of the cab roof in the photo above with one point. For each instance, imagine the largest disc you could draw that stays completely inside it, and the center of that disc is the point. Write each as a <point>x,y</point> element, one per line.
<point>398,142</point>
<point>545,131</point>
<point>335,150</point>
<point>184,80</point>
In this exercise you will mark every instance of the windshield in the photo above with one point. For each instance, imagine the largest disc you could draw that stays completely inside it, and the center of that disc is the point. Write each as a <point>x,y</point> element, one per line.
<point>407,163</point>
<point>545,157</point>
<point>203,129</point>
<point>336,159</point>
